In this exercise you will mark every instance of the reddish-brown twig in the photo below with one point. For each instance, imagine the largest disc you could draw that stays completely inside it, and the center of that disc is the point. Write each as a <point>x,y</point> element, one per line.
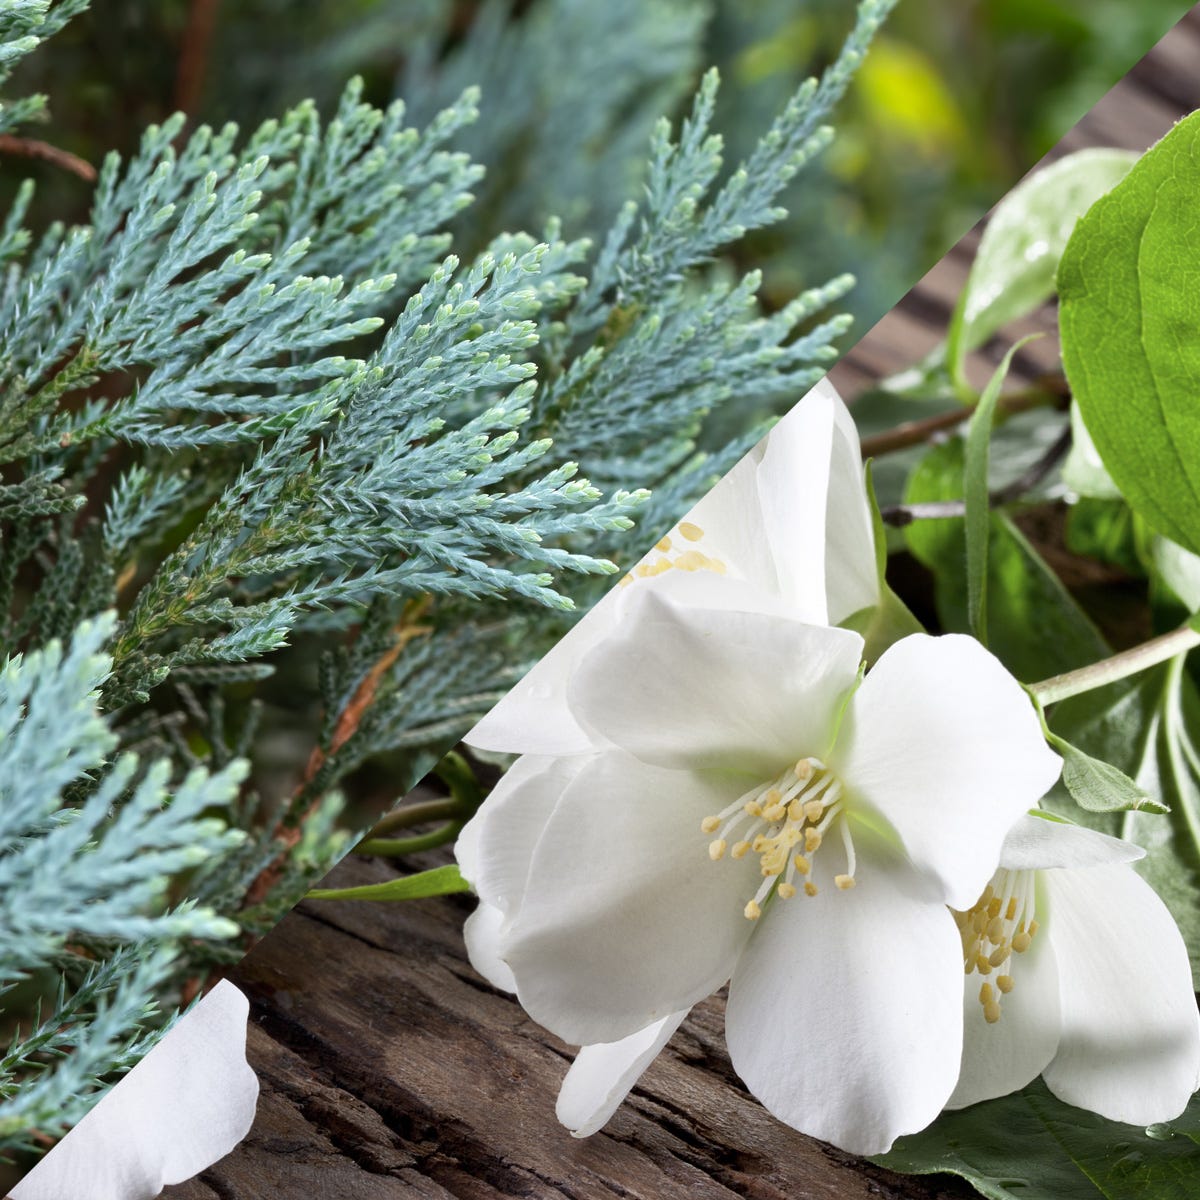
<point>32,148</point>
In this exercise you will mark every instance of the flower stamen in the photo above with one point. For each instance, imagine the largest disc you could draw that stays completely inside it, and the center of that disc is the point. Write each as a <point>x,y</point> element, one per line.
<point>688,558</point>
<point>1000,924</point>
<point>794,811</point>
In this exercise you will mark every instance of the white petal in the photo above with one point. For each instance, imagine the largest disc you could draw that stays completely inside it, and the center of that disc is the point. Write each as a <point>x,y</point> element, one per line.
<point>496,846</point>
<point>533,717</point>
<point>1130,1045</point>
<point>845,1012</point>
<point>483,933</point>
<point>731,522</point>
<point>1005,1056</point>
<point>1036,842</point>
<point>183,1107</point>
<point>625,919</point>
<point>851,573</point>
<point>602,1074</point>
<point>793,482</point>
<point>691,687</point>
<point>944,743</point>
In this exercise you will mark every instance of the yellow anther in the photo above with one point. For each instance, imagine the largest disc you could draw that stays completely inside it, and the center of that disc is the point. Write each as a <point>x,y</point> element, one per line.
<point>978,920</point>
<point>812,840</point>
<point>752,808</point>
<point>739,849</point>
<point>693,533</point>
<point>993,908</point>
<point>775,813</point>
<point>693,560</point>
<point>663,544</point>
<point>710,824</point>
<point>1020,942</point>
<point>796,811</point>
<point>986,995</point>
<point>1011,911</point>
<point>1033,928</point>
<point>844,882</point>
<point>991,1012</point>
<point>988,893</point>
<point>1004,983</point>
<point>813,809</point>
<point>995,930</point>
<point>786,890</point>
<point>752,912</point>
<point>968,966</point>
<point>758,844</point>
<point>803,769</point>
<point>810,888</point>
<point>716,849</point>
<point>982,965</point>
<point>802,864</point>
<point>998,955</point>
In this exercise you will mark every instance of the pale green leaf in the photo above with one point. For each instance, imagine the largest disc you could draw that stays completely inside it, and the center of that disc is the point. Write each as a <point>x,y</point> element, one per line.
<point>1013,271</point>
<point>440,881</point>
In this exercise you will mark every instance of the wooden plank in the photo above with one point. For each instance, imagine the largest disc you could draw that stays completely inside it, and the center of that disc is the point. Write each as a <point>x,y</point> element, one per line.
<point>390,1069</point>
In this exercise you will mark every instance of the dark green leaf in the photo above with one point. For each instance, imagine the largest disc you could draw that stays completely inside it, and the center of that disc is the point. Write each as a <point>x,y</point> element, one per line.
<point>1130,307</point>
<point>1031,1146</point>
<point>440,881</point>
<point>1034,626</point>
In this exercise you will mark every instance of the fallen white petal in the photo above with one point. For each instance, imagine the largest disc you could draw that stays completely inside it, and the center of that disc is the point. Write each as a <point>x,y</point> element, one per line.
<point>183,1107</point>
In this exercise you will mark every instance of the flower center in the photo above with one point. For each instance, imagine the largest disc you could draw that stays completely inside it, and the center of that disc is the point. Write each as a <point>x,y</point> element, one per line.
<point>788,819</point>
<point>688,557</point>
<point>1000,925</point>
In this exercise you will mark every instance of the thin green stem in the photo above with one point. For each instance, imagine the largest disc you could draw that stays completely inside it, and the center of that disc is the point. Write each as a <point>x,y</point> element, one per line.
<point>422,813</point>
<point>397,847</point>
<point>1119,666</point>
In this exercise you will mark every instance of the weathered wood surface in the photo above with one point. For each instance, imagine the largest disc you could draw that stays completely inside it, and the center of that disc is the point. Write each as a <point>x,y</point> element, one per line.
<point>390,1070</point>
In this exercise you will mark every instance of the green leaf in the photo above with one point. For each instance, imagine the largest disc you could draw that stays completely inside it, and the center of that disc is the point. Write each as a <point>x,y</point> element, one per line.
<point>1034,626</point>
<point>1147,727</point>
<point>1099,786</point>
<point>1032,1146</point>
<point>1130,305</point>
<point>975,493</point>
<point>440,881</point>
<point>1013,271</point>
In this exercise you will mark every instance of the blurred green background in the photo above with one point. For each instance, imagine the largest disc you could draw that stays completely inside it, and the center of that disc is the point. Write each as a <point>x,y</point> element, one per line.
<point>956,101</point>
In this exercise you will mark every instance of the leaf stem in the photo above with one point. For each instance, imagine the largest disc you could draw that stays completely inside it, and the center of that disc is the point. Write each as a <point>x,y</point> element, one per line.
<point>1119,666</point>
<point>397,847</point>
<point>445,808</point>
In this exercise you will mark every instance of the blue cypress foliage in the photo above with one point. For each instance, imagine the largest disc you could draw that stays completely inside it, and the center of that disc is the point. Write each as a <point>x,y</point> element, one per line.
<point>281,406</point>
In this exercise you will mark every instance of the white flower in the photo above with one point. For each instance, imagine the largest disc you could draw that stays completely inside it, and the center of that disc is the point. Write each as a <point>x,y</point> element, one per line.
<point>183,1107</point>
<point>1077,972</point>
<point>791,520</point>
<point>756,817</point>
